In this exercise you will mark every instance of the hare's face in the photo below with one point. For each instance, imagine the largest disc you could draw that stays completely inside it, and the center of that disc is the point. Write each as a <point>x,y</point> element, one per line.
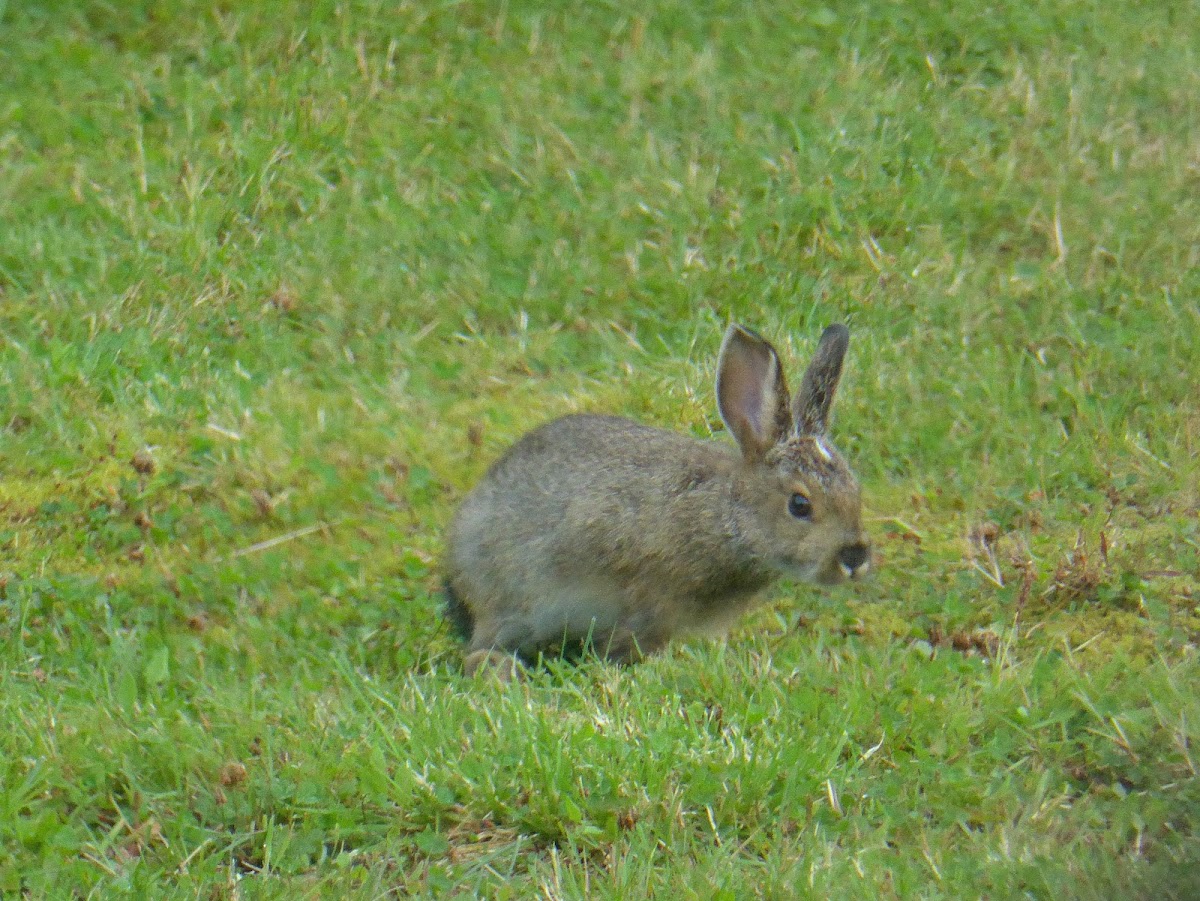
<point>809,513</point>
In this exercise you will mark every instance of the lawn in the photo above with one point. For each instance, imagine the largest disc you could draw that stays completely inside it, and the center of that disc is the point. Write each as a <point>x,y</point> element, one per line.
<point>279,280</point>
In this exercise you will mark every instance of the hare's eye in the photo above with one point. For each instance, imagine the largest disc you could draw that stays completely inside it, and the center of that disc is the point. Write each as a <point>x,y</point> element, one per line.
<point>800,506</point>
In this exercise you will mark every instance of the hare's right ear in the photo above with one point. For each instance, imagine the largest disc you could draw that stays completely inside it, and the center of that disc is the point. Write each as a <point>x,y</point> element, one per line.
<point>752,396</point>
<point>815,396</point>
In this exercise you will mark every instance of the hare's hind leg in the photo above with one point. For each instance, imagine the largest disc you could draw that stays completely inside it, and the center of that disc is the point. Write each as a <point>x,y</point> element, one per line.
<point>488,652</point>
<point>504,667</point>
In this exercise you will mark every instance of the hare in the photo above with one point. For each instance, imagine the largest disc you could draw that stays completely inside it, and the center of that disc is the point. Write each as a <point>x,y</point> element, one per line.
<point>596,532</point>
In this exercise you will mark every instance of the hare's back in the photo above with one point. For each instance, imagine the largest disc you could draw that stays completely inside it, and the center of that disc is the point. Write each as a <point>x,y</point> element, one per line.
<point>581,470</point>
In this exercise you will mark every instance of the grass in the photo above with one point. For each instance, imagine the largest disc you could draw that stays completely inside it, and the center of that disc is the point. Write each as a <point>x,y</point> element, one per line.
<point>278,281</point>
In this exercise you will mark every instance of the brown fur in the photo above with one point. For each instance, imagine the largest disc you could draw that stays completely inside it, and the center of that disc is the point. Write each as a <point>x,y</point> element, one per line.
<point>597,531</point>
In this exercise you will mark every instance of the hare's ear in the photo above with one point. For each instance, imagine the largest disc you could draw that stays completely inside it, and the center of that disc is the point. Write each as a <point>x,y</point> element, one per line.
<point>752,396</point>
<point>811,410</point>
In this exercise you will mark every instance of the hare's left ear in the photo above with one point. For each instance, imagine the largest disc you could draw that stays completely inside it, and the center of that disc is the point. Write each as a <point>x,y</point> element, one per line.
<point>815,397</point>
<point>752,395</point>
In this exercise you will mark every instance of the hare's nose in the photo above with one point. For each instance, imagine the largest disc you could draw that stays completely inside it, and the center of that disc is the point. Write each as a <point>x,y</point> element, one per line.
<point>854,559</point>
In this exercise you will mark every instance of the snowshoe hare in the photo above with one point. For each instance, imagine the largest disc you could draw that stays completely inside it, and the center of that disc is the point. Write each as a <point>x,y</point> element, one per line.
<point>596,532</point>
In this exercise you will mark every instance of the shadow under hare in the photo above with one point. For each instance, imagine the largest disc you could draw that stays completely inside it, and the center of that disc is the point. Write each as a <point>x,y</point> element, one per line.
<point>596,532</point>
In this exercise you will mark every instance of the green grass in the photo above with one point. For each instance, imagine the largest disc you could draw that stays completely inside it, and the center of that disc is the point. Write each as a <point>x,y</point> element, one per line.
<point>311,266</point>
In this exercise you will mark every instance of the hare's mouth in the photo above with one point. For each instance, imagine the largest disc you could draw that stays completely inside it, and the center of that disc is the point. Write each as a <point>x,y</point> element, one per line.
<point>801,572</point>
<point>813,573</point>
